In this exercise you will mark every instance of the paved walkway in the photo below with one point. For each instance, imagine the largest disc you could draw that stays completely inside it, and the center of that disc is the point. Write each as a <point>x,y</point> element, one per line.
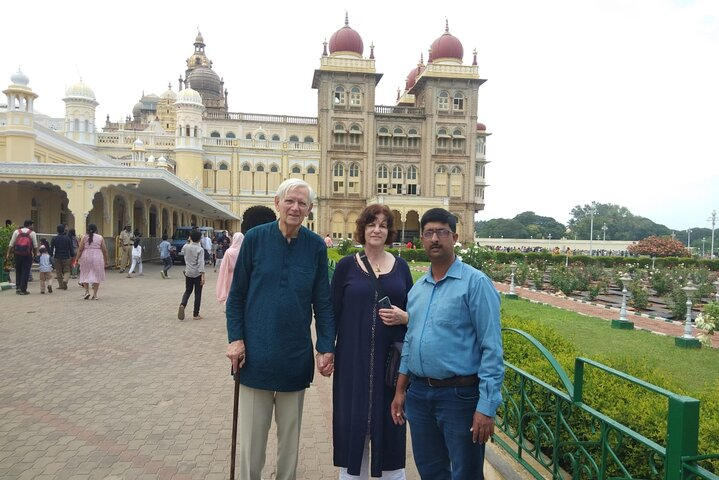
<point>643,322</point>
<point>120,389</point>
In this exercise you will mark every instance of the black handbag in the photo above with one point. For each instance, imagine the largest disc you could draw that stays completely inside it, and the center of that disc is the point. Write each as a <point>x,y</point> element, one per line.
<point>394,353</point>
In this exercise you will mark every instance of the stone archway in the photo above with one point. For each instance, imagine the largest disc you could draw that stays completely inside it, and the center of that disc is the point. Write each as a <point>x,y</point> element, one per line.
<point>120,214</point>
<point>165,226</point>
<point>154,218</point>
<point>138,217</point>
<point>411,227</point>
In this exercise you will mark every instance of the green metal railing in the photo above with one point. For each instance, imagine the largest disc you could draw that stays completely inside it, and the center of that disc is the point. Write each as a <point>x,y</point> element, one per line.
<point>554,434</point>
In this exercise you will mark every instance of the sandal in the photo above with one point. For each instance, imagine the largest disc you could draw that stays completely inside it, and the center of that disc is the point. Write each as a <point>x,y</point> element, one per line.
<point>94,298</point>
<point>86,296</point>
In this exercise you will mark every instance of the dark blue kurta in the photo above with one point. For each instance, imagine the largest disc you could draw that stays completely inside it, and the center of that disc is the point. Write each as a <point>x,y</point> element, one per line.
<point>275,288</point>
<point>361,401</point>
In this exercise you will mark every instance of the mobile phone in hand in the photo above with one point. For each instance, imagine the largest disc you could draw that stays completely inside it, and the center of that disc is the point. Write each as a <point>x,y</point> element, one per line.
<point>384,302</point>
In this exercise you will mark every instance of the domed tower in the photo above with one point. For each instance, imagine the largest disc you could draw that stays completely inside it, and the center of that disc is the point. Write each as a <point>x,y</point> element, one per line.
<point>188,137</point>
<point>80,105</point>
<point>200,77</point>
<point>20,117</point>
<point>345,83</point>
<point>166,111</point>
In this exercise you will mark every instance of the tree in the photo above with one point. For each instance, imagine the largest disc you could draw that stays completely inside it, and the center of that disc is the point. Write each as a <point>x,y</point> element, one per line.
<point>502,227</point>
<point>659,247</point>
<point>621,224</point>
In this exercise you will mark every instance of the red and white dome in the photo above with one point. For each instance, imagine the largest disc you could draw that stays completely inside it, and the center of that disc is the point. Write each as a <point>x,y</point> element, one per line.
<point>481,127</point>
<point>446,48</point>
<point>346,41</point>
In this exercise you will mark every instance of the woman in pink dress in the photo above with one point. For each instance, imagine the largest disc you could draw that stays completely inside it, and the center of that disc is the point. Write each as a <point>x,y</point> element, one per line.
<point>227,268</point>
<point>92,257</point>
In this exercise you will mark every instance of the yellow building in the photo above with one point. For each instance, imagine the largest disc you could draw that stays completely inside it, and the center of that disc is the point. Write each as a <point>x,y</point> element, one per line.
<point>184,158</point>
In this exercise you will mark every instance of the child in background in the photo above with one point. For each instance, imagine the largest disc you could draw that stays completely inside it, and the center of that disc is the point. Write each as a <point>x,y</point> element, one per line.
<point>136,258</point>
<point>45,270</point>
<point>164,248</point>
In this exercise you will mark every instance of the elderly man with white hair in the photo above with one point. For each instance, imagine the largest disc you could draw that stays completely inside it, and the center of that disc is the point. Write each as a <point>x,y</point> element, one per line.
<point>280,279</point>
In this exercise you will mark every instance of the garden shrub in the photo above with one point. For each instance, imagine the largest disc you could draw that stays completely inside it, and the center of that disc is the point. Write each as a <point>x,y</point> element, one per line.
<point>642,411</point>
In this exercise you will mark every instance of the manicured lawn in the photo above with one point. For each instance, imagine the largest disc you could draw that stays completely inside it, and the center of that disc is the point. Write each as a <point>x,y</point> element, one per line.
<point>696,370</point>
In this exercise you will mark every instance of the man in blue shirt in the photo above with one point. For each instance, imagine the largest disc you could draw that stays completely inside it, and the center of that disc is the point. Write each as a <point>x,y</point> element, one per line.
<point>279,280</point>
<point>451,360</point>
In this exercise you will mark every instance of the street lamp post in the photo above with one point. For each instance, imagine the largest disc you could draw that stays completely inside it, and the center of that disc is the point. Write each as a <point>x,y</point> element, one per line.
<point>592,211</point>
<point>604,235</point>
<point>689,238</point>
<point>512,292</point>
<point>713,219</point>
<point>550,242</point>
<point>623,323</point>
<point>704,239</point>
<point>687,340</point>
<point>716,285</point>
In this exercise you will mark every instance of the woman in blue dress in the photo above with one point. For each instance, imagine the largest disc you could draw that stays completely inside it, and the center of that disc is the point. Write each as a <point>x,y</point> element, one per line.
<point>365,438</point>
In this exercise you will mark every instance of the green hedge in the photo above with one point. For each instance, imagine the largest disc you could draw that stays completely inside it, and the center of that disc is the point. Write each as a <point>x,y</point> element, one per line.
<point>626,403</point>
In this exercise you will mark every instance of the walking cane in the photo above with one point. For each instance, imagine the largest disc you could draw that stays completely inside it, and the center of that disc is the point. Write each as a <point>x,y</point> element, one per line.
<point>234,423</point>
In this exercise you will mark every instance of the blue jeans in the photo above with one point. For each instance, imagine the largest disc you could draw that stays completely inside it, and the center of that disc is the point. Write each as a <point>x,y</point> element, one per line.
<point>439,421</point>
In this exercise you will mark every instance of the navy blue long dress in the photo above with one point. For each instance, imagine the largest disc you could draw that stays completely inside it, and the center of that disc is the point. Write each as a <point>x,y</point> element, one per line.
<point>361,401</point>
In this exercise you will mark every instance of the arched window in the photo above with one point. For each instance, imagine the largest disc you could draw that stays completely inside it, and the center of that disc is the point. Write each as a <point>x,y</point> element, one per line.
<point>398,137</point>
<point>274,168</point>
<point>208,166</point>
<point>354,170</point>
<point>458,140</point>
<point>223,166</point>
<point>441,169</point>
<point>340,96</point>
<point>456,170</point>
<point>412,180</point>
<point>230,135</point>
<point>275,138</point>
<point>294,138</point>
<point>311,170</point>
<point>396,172</point>
<point>413,138</point>
<point>442,138</point>
<point>309,139</point>
<point>215,134</point>
<point>245,167</point>
<point>443,101</point>
<point>261,136</point>
<point>296,169</point>
<point>382,179</point>
<point>384,137</point>
<point>355,97</point>
<point>458,102</point>
<point>338,170</point>
<point>260,168</point>
<point>397,183</point>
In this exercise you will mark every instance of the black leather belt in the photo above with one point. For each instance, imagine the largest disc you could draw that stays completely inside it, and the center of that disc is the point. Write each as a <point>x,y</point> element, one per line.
<point>458,381</point>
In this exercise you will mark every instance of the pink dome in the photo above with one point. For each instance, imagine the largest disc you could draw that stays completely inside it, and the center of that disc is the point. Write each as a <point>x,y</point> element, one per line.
<point>447,46</point>
<point>346,40</point>
<point>481,127</point>
<point>412,76</point>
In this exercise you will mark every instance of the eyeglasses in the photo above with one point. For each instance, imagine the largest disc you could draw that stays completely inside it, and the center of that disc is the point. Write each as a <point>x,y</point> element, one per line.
<point>441,233</point>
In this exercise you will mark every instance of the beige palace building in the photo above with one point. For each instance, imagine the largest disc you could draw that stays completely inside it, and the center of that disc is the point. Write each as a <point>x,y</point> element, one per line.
<point>183,158</point>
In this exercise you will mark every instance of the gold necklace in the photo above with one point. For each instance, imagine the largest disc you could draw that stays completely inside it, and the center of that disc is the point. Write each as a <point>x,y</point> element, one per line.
<point>376,268</point>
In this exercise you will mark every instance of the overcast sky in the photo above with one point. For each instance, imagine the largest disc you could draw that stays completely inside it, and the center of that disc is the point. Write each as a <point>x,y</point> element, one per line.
<point>614,101</point>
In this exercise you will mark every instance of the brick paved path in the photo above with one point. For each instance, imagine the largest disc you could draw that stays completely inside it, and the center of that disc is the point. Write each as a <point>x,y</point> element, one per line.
<point>655,325</point>
<point>120,389</point>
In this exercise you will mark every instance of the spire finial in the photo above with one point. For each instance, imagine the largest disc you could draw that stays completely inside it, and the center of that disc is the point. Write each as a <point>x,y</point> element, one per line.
<point>398,94</point>
<point>371,51</point>
<point>446,25</point>
<point>421,59</point>
<point>474,53</point>
<point>324,50</point>
<point>347,19</point>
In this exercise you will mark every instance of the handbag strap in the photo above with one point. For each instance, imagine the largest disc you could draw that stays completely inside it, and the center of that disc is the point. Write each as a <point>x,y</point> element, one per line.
<point>372,276</point>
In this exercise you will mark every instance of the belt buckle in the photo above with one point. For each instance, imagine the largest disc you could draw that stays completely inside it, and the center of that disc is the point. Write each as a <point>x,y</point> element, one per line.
<point>429,382</point>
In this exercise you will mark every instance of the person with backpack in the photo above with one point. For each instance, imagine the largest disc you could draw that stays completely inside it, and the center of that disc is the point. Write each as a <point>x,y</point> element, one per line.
<point>23,245</point>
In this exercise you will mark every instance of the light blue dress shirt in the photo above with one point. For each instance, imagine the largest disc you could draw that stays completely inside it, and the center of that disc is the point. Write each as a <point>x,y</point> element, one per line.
<point>454,329</point>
